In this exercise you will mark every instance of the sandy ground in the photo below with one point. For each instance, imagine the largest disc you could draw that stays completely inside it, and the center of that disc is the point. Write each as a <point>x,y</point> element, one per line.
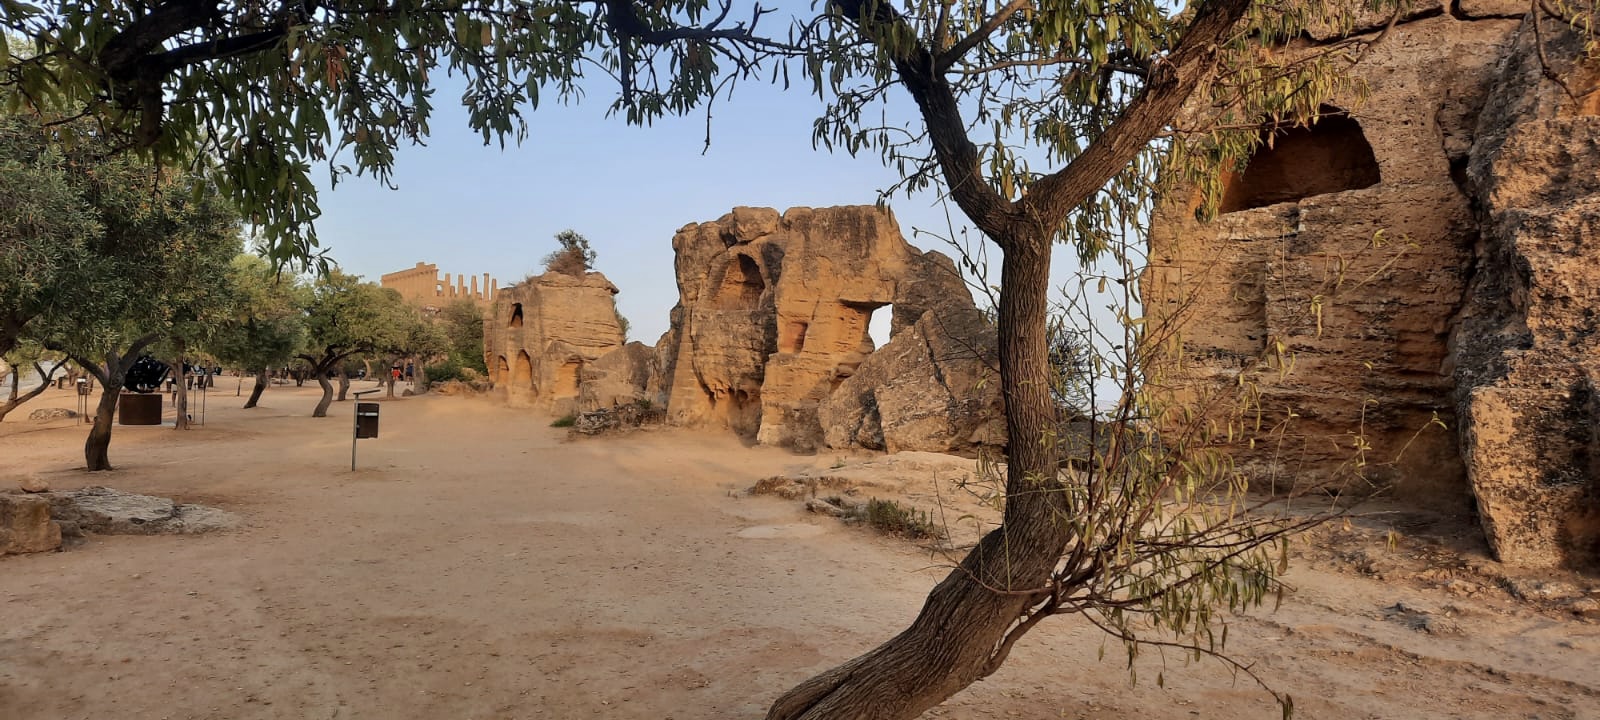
<point>479,565</point>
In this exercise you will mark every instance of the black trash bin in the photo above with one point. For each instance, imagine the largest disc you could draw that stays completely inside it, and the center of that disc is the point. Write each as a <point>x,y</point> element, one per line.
<point>366,420</point>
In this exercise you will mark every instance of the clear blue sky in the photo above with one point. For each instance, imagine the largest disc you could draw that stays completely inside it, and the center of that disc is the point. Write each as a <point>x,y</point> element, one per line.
<point>475,209</point>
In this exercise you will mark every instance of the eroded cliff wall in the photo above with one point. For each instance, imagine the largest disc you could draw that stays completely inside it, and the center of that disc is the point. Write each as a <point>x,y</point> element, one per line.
<point>1404,295</point>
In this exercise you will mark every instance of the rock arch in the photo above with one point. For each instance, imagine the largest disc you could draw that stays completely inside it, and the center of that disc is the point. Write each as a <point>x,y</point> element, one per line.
<point>522,375</point>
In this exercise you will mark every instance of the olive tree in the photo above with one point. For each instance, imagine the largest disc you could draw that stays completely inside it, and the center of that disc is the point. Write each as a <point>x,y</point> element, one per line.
<point>267,324</point>
<point>153,274</point>
<point>45,365</point>
<point>344,318</point>
<point>1044,122</point>
<point>462,324</point>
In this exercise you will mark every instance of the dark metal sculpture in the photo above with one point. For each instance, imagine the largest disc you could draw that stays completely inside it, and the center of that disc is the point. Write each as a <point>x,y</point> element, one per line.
<point>146,375</point>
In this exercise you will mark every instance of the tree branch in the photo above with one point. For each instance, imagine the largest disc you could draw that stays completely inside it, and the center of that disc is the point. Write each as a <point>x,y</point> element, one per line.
<point>1052,198</point>
<point>964,45</point>
<point>958,157</point>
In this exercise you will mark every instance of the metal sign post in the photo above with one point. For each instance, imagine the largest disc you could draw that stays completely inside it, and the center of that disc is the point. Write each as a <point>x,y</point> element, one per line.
<point>83,398</point>
<point>364,424</point>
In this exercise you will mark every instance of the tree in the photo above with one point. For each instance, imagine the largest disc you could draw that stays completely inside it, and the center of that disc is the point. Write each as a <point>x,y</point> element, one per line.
<point>267,325</point>
<point>154,274</point>
<point>1043,122</point>
<point>346,317</point>
<point>109,254</point>
<point>43,366</point>
<point>45,228</point>
<point>462,324</point>
<point>574,258</point>
<point>417,342</point>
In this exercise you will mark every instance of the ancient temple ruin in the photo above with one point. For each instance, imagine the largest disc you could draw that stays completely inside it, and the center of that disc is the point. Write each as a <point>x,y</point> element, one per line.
<point>423,287</point>
<point>1408,287</point>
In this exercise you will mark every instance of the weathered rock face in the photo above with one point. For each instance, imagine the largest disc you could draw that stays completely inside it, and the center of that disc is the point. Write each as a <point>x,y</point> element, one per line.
<point>541,334</point>
<point>25,524</point>
<point>621,377</point>
<point>1477,308</point>
<point>104,511</point>
<point>931,388</point>
<point>1345,251</point>
<point>1527,348</point>
<point>773,317</point>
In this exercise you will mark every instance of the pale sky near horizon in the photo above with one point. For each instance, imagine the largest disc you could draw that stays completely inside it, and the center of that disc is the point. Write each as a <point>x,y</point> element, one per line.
<point>473,209</point>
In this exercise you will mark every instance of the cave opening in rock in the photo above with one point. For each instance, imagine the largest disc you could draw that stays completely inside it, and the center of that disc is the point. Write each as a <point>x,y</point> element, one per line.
<point>567,379</point>
<point>792,336</point>
<point>522,376</point>
<point>516,315</point>
<point>741,285</point>
<point>1330,156</point>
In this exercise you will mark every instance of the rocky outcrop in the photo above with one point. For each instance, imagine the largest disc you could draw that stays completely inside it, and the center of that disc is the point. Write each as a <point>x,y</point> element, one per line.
<point>541,334</point>
<point>931,388</point>
<point>1406,293</point>
<point>1528,343</point>
<point>25,524</point>
<point>104,511</point>
<point>625,376</point>
<point>773,319</point>
<point>1324,293</point>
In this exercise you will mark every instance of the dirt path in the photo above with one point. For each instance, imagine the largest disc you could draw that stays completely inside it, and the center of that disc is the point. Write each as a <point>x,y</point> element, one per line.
<point>481,566</point>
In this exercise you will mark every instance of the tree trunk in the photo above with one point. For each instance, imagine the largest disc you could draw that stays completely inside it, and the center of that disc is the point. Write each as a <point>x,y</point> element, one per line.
<point>327,395</point>
<point>180,397</point>
<point>961,634</point>
<point>344,384</point>
<point>16,399</point>
<point>389,380</point>
<point>96,449</point>
<point>262,378</point>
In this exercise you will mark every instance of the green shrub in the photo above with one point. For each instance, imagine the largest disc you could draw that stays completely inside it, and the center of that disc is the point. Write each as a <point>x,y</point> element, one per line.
<point>565,421</point>
<point>444,371</point>
<point>895,519</point>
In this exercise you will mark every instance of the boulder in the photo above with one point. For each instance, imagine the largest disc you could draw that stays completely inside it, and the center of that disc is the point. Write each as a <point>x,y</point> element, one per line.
<point>33,484</point>
<point>104,511</point>
<point>1528,350</point>
<point>933,388</point>
<point>48,414</point>
<point>621,377</point>
<point>26,525</point>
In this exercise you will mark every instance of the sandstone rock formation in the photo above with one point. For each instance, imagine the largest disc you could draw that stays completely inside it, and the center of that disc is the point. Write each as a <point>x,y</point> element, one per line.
<point>104,511</point>
<point>1424,254</point>
<point>25,524</point>
<point>932,387</point>
<point>628,375</point>
<point>773,319</point>
<point>541,334</point>
<point>1527,351</point>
